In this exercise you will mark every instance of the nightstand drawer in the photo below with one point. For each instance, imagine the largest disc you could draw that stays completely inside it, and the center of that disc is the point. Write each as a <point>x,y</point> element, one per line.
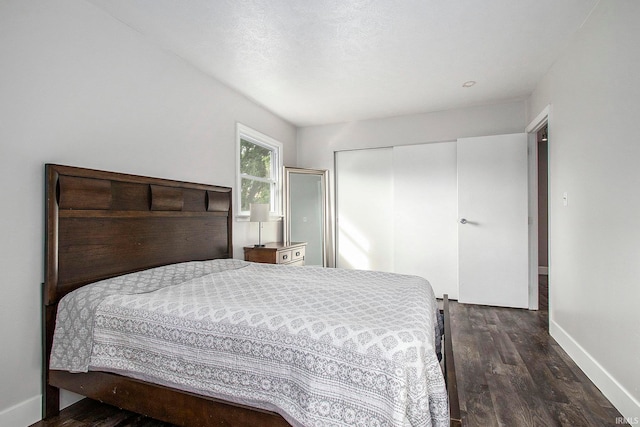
<point>297,253</point>
<point>277,253</point>
<point>284,257</point>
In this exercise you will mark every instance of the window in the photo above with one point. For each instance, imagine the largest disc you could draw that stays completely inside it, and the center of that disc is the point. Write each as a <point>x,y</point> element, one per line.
<point>259,165</point>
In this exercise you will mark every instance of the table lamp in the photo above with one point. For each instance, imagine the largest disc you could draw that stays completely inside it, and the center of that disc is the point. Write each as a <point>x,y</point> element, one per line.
<point>259,212</point>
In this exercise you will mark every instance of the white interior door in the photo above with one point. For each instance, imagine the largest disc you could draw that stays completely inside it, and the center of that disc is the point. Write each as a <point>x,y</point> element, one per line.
<point>493,220</point>
<point>425,214</point>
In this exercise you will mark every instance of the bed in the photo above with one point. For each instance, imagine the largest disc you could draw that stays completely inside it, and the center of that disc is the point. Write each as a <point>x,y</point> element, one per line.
<point>111,238</point>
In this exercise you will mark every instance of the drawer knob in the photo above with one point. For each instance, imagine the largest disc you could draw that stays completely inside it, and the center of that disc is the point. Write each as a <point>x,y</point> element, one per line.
<point>285,256</point>
<point>297,253</point>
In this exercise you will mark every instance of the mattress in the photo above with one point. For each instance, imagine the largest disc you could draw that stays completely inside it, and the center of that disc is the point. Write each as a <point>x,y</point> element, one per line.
<point>321,347</point>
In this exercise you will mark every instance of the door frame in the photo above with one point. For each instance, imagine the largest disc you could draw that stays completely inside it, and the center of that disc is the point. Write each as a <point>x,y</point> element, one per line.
<point>543,118</point>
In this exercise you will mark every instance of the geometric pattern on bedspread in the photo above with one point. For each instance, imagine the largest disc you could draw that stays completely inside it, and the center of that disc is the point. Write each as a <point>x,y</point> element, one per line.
<point>322,347</point>
<point>73,334</point>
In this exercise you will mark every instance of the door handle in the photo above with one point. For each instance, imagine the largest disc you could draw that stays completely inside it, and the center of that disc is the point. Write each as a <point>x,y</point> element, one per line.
<point>463,221</point>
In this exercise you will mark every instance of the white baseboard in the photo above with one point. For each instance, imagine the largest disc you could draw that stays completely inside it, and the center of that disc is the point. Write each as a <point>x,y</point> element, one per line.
<point>619,396</point>
<point>22,414</point>
<point>28,412</point>
<point>543,270</point>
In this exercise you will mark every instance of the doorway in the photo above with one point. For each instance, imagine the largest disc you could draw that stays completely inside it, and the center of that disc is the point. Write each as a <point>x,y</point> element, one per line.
<point>542,137</point>
<point>539,161</point>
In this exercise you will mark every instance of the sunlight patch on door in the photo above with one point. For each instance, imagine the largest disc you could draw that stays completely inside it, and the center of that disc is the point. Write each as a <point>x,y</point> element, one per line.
<point>353,246</point>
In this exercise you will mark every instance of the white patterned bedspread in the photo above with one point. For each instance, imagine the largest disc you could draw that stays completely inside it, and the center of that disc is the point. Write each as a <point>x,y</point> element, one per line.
<point>322,347</point>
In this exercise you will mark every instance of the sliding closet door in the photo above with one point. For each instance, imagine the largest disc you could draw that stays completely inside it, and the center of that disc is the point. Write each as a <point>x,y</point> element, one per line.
<point>493,220</point>
<point>364,212</point>
<point>425,214</point>
<point>400,209</point>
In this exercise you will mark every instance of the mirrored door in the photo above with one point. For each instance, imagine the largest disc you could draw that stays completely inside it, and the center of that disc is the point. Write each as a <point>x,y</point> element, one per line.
<point>306,216</point>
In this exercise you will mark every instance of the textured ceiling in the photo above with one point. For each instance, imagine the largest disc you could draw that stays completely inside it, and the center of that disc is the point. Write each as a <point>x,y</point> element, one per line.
<point>324,61</point>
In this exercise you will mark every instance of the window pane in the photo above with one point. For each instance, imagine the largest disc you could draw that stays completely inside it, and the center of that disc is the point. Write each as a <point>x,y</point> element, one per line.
<point>254,192</point>
<point>255,160</point>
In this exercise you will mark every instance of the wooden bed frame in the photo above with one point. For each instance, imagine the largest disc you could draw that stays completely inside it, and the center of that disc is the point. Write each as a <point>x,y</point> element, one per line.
<point>104,224</point>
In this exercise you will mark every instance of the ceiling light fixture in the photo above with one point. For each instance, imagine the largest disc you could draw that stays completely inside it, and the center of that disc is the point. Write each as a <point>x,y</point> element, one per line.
<point>469,83</point>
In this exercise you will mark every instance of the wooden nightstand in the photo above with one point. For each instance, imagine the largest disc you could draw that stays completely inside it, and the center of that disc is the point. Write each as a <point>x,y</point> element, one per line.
<point>277,253</point>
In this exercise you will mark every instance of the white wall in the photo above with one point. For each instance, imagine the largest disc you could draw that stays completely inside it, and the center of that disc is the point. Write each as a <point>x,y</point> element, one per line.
<point>317,144</point>
<point>594,155</point>
<point>79,88</point>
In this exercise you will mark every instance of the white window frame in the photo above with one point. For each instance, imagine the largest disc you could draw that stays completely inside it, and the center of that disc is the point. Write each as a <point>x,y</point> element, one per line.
<point>258,138</point>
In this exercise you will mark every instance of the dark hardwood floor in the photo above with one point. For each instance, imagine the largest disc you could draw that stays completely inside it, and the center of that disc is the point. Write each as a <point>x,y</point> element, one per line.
<point>89,413</point>
<point>510,373</point>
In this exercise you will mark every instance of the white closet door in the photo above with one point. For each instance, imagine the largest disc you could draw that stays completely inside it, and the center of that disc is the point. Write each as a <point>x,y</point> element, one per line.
<point>425,217</point>
<point>364,209</point>
<point>492,203</point>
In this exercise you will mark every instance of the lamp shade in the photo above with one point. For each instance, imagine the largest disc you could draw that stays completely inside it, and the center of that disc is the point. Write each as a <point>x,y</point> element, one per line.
<point>259,212</point>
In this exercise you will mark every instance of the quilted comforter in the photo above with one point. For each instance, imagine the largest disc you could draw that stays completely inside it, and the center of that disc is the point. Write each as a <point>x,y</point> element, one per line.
<point>322,347</point>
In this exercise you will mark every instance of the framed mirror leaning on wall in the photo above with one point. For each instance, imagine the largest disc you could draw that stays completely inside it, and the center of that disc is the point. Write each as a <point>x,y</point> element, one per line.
<point>306,213</point>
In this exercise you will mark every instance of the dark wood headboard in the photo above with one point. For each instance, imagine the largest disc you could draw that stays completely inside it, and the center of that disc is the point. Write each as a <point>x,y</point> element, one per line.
<point>104,224</point>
